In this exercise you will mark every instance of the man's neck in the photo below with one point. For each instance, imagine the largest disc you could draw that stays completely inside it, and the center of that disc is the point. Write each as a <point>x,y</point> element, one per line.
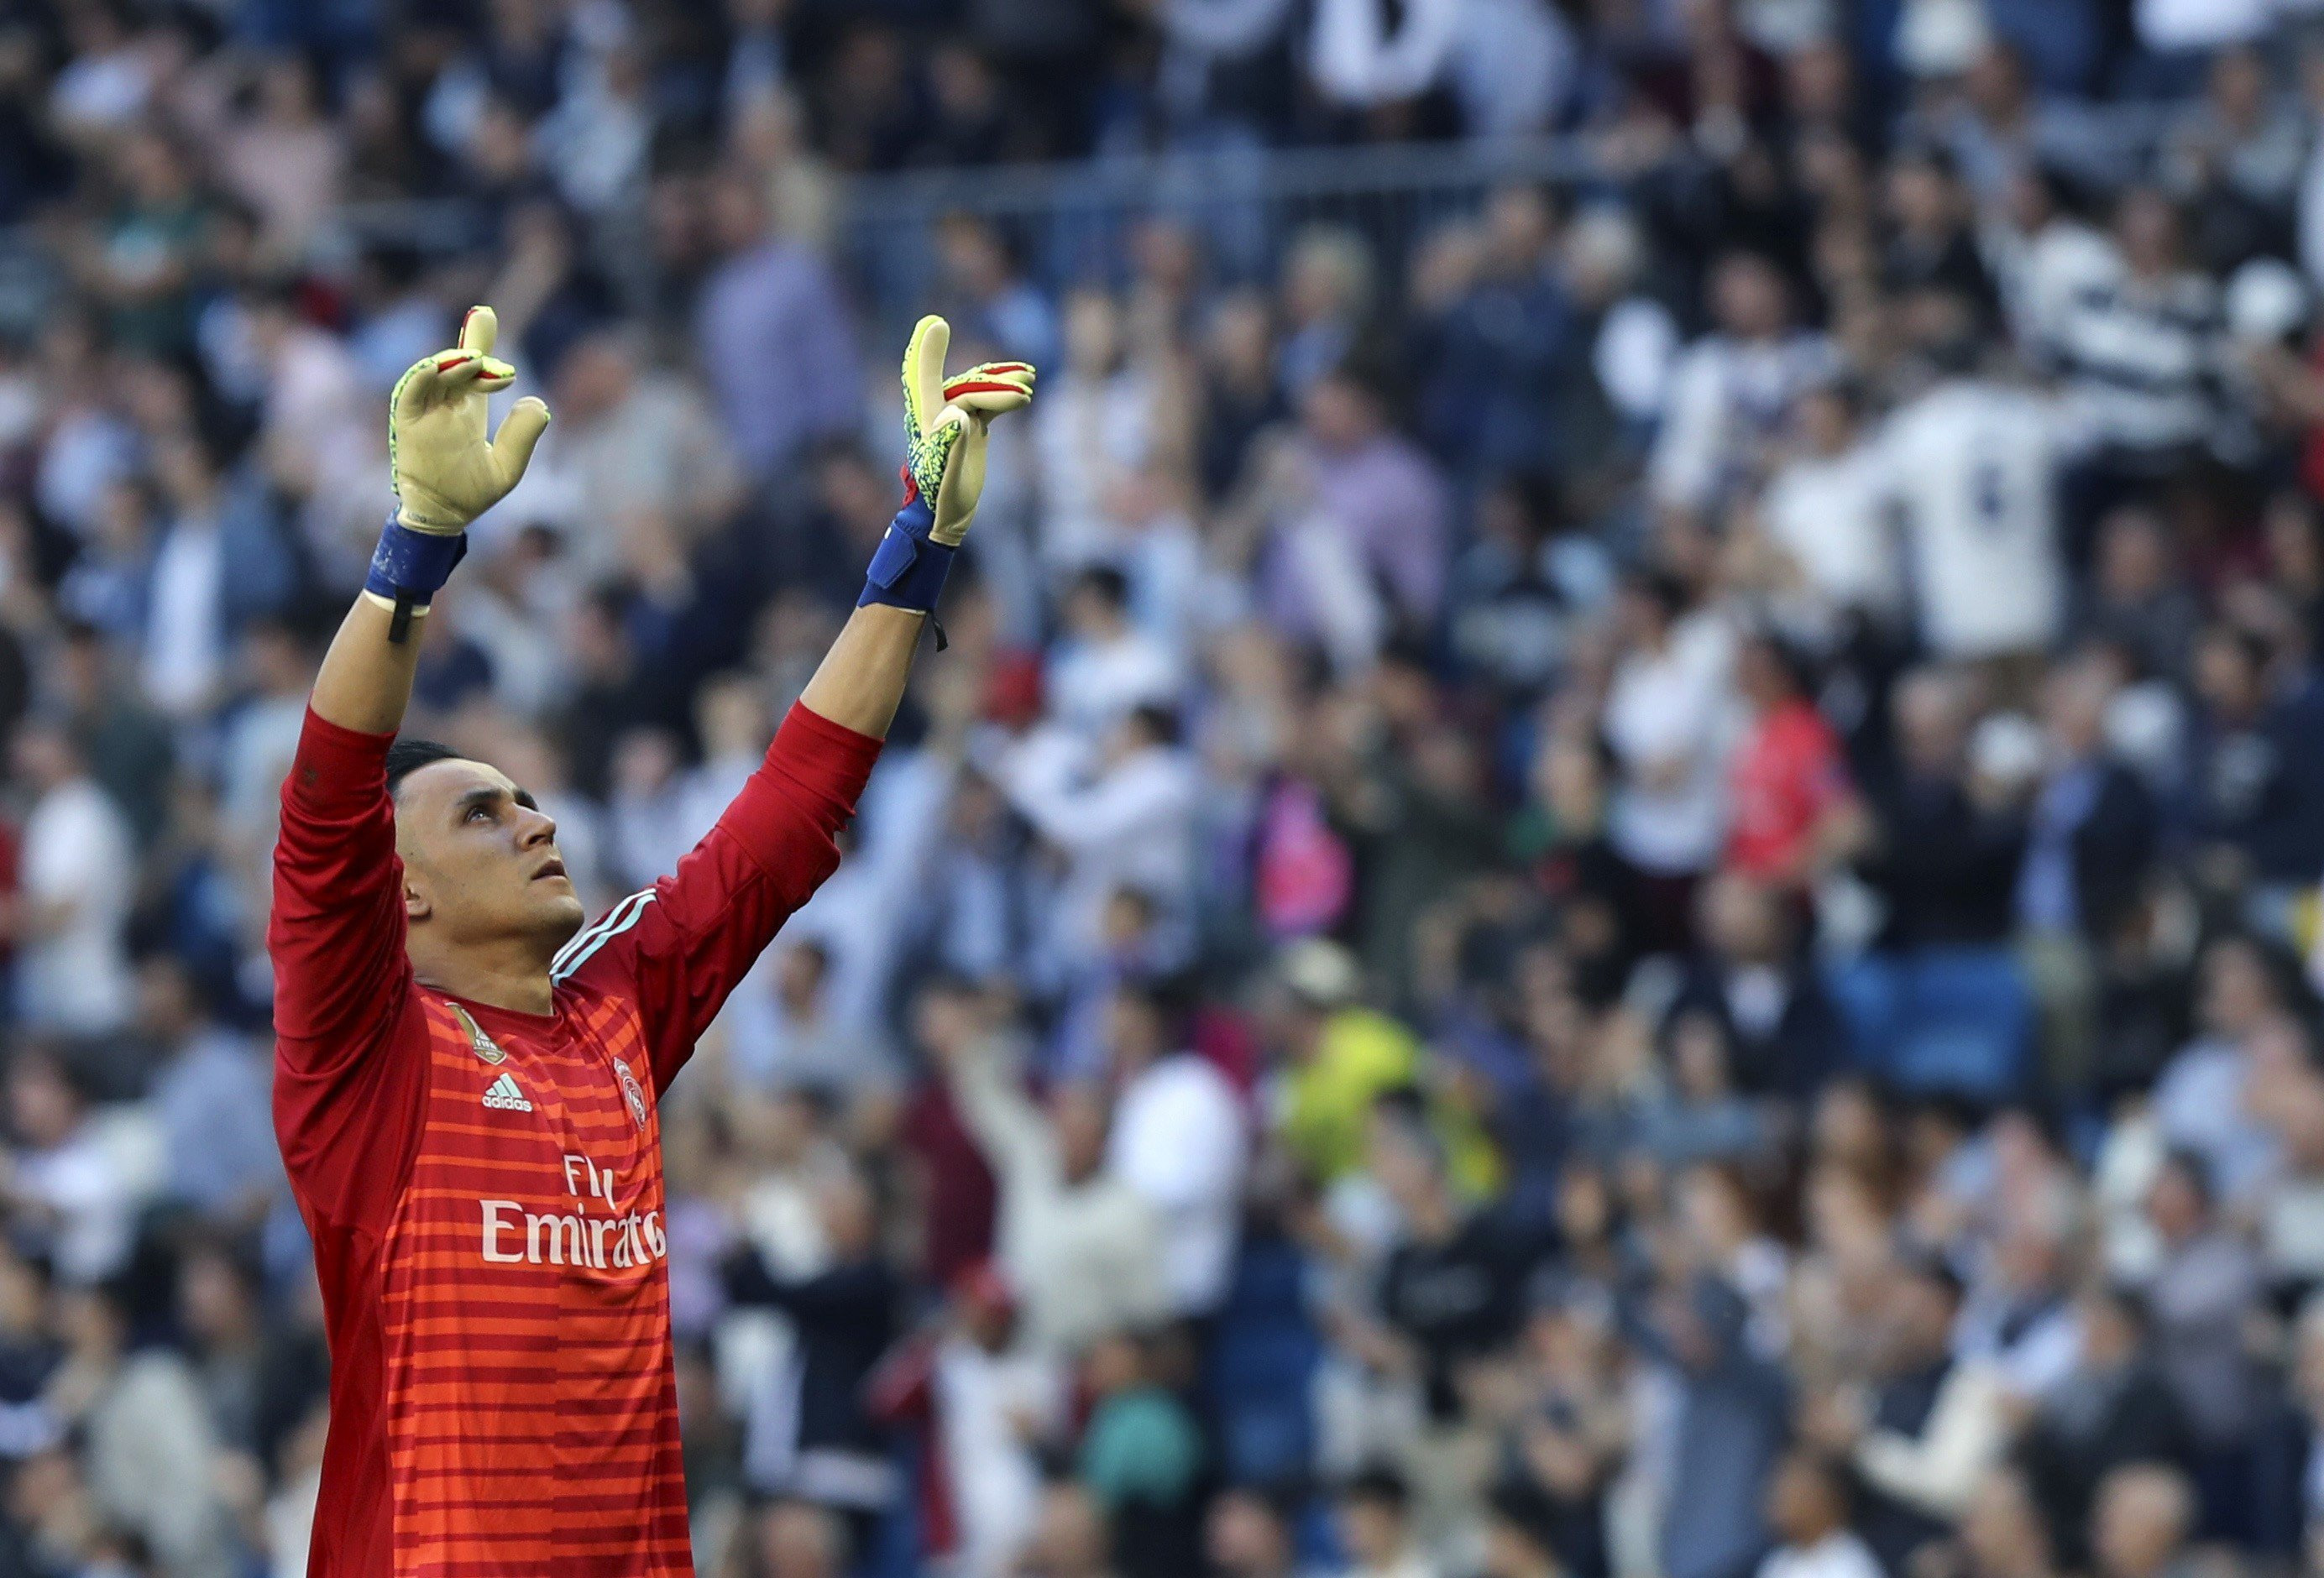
<point>513,977</point>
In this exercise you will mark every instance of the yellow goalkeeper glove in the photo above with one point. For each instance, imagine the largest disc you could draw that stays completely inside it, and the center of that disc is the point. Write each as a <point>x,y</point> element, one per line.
<point>946,423</point>
<point>447,473</point>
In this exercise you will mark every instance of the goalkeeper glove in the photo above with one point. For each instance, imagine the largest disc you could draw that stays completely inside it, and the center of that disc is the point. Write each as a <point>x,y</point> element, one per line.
<point>945,426</point>
<point>447,473</point>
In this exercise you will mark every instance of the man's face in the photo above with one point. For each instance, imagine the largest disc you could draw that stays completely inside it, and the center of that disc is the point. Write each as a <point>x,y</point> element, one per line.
<point>480,859</point>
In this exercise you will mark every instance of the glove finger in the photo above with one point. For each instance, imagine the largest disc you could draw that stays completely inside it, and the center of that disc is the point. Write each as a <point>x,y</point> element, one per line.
<point>980,381</point>
<point>479,329</point>
<point>412,390</point>
<point>520,430</point>
<point>494,375</point>
<point>995,400</point>
<point>924,360</point>
<point>456,370</point>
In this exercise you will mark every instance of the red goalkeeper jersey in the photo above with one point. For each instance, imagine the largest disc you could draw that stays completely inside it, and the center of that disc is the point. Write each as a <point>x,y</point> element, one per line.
<point>484,1187</point>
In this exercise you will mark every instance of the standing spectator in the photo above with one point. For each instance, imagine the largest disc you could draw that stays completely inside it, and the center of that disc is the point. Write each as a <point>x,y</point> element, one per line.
<point>770,307</point>
<point>75,886</point>
<point>1080,1247</point>
<point>1179,1141</point>
<point>1731,388</point>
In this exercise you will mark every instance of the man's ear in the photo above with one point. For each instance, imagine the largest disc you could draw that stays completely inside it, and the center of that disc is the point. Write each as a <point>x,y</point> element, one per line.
<point>416,907</point>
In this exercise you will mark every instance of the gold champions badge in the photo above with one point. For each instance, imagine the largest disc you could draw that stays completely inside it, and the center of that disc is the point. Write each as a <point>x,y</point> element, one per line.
<point>483,1045</point>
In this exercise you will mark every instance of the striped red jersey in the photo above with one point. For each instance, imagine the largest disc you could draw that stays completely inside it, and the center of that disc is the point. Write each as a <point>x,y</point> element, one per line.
<point>484,1187</point>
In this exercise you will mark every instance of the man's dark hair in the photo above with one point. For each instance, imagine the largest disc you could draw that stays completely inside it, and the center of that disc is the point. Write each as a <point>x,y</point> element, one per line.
<point>1106,584</point>
<point>407,756</point>
<point>1380,1486</point>
<point>1159,724</point>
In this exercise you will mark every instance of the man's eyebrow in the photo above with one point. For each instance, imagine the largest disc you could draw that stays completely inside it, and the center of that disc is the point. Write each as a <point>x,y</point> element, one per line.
<point>524,798</point>
<point>482,795</point>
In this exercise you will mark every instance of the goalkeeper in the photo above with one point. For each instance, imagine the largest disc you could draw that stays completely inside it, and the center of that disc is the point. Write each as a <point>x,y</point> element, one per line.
<point>468,1077</point>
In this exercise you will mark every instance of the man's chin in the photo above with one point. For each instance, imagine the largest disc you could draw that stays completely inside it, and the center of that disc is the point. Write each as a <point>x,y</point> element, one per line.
<point>561,918</point>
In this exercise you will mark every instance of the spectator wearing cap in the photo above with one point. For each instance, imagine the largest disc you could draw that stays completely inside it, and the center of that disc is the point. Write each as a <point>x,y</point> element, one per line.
<point>1335,1057</point>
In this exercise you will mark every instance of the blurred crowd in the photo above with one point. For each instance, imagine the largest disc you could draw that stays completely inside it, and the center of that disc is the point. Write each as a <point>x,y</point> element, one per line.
<point>1622,886</point>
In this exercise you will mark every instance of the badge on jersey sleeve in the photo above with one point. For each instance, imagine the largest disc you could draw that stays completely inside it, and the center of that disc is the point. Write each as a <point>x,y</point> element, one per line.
<point>483,1045</point>
<point>632,1092</point>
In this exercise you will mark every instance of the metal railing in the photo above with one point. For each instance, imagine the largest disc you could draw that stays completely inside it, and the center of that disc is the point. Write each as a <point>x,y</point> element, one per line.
<point>1071,221</point>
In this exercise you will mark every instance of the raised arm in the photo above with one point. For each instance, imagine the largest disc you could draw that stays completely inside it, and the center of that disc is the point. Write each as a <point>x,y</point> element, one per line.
<point>344,1110</point>
<point>336,933</point>
<point>681,945</point>
<point>946,425</point>
<point>447,473</point>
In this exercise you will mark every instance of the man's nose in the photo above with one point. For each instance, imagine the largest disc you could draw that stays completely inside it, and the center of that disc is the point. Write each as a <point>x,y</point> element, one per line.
<point>539,828</point>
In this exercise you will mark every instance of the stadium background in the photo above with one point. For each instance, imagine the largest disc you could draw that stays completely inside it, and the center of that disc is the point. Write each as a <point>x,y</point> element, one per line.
<point>1613,872</point>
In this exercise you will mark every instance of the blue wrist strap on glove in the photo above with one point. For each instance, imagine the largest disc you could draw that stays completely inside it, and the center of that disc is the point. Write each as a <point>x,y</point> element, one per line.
<point>408,567</point>
<point>908,570</point>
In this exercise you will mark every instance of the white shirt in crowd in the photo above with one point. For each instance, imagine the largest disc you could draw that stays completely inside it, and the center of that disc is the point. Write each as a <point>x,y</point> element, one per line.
<point>1671,720</point>
<point>1093,684</point>
<point>78,853</point>
<point>1975,466</point>
<point>1128,823</point>
<point>1831,514</point>
<point>983,1401</point>
<point>1179,1141</point>
<point>1839,1555</point>
<point>1727,397</point>
<point>2200,24</point>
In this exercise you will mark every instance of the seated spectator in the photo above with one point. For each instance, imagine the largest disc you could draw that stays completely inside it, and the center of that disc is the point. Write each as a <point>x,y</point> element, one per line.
<point>1931,1428</point>
<point>2113,1407</point>
<point>2201,1299</point>
<point>1372,1518</point>
<point>1945,844</point>
<point>2141,1522</point>
<point>1785,1037</point>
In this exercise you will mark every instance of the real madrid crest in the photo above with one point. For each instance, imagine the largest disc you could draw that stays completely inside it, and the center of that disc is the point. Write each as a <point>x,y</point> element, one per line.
<point>632,1092</point>
<point>483,1045</point>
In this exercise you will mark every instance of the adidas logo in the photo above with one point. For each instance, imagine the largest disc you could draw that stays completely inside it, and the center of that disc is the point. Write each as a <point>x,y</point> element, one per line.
<point>502,1095</point>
